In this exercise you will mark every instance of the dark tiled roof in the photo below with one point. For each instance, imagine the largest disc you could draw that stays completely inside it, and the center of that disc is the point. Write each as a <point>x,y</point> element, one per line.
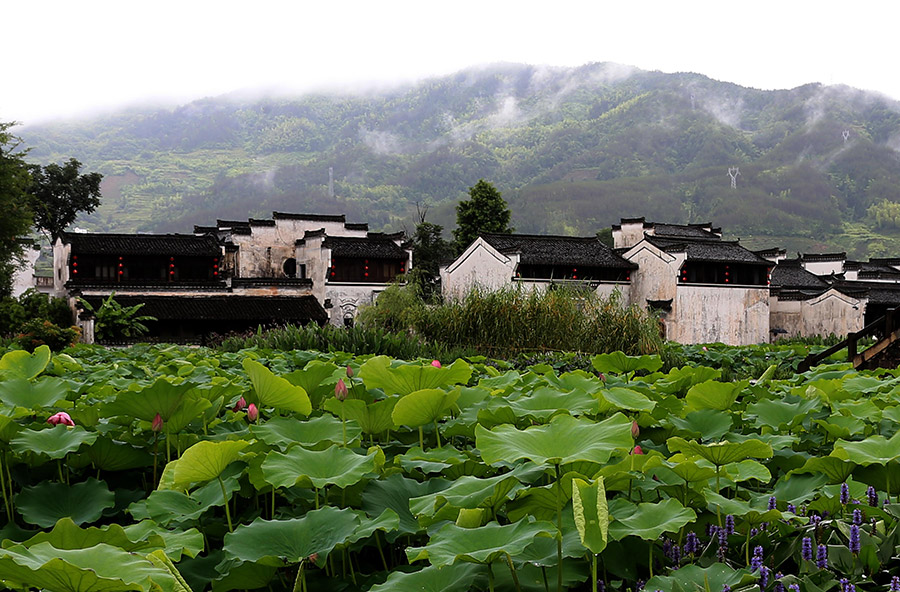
<point>709,250</point>
<point>205,229</point>
<point>357,226</point>
<point>558,250</point>
<point>231,308</point>
<point>364,248</point>
<point>185,245</point>
<point>310,217</point>
<point>232,223</point>
<point>684,230</point>
<point>789,273</point>
<point>256,222</point>
<point>823,256</point>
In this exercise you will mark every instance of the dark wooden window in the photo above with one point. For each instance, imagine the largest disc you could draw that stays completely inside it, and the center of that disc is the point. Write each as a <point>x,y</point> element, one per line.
<point>576,272</point>
<point>376,271</point>
<point>738,274</point>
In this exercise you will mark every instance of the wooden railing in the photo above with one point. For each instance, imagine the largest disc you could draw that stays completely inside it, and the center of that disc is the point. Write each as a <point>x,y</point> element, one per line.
<point>885,327</point>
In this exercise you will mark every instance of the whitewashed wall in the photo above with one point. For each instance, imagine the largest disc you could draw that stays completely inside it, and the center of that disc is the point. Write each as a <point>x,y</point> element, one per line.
<point>830,313</point>
<point>730,315</point>
<point>479,265</point>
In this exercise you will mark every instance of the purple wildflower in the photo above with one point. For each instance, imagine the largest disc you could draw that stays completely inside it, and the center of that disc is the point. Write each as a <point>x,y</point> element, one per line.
<point>757,560</point>
<point>853,543</point>
<point>794,588</point>
<point>754,531</point>
<point>675,554</point>
<point>601,585</point>
<point>726,588</point>
<point>711,529</point>
<point>763,576</point>
<point>722,551</point>
<point>895,584</point>
<point>779,587</point>
<point>872,496</point>
<point>845,494</point>
<point>857,517</point>
<point>822,557</point>
<point>772,503</point>
<point>815,519</point>
<point>874,529</point>
<point>792,508</point>
<point>638,586</point>
<point>691,544</point>
<point>729,525</point>
<point>806,549</point>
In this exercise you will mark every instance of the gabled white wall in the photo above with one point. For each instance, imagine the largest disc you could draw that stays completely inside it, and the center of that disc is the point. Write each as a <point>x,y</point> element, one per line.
<point>479,265</point>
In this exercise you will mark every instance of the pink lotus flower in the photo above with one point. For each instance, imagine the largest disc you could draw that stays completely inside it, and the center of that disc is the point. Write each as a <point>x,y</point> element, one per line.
<point>240,405</point>
<point>340,390</point>
<point>635,429</point>
<point>637,450</point>
<point>252,413</point>
<point>157,424</point>
<point>435,363</point>
<point>349,372</point>
<point>61,418</point>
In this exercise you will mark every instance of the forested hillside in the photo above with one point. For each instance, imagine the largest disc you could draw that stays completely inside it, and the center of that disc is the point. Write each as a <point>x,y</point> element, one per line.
<point>572,149</point>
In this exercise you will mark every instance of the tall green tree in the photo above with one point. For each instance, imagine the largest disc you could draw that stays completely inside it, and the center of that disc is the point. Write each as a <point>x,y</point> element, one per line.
<point>16,218</point>
<point>58,193</point>
<point>429,250</point>
<point>484,211</point>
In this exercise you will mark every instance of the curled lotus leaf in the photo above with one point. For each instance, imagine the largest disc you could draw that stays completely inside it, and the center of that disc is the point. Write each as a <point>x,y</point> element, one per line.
<point>46,503</point>
<point>874,450</point>
<point>479,545</point>
<point>53,442</point>
<point>275,391</point>
<point>21,364</point>
<point>423,407</point>
<point>399,378</point>
<point>206,460</point>
<point>721,453</point>
<point>332,466</point>
<point>620,363</point>
<point>591,513</point>
<point>317,432</point>
<point>450,578</point>
<point>712,394</point>
<point>648,521</point>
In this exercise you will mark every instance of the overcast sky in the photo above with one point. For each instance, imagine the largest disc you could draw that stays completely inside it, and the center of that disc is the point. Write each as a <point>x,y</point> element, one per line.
<point>68,58</point>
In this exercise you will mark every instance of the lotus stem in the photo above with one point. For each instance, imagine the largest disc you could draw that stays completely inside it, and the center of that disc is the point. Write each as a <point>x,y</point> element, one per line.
<point>544,573</point>
<point>343,424</point>
<point>593,572</point>
<point>225,499</point>
<point>650,558</point>
<point>437,433</point>
<point>559,574</point>
<point>317,501</point>
<point>155,457</point>
<point>490,577</point>
<point>9,515</point>
<point>421,439</point>
<point>298,581</point>
<point>512,570</point>
<point>381,551</point>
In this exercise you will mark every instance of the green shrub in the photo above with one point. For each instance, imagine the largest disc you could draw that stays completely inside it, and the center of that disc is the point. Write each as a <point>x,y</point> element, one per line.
<point>38,332</point>
<point>114,321</point>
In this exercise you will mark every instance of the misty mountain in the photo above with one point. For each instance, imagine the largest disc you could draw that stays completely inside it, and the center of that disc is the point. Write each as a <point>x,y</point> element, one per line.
<point>572,149</point>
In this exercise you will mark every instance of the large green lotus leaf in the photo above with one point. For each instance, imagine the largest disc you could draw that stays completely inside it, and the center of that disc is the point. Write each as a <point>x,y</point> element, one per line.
<point>649,521</point>
<point>321,431</point>
<point>619,363</point>
<point>20,392</point>
<point>782,412</point>
<point>776,441</point>
<point>55,442</point>
<point>591,514</point>
<point>21,364</point>
<point>44,504</point>
<point>101,568</point>
<point>177,405</point>
<point>450,578</point>
<point>468,492</point>
<point>430,461</point>
<point>402,378</point>
<point>565,439</point>
<point>535,502</point>
<point>167,505</point>
<point>206,460</point>
<point>160,560</point>
<point>423,407</point>
<point>623,398</point>
<point>879,476</point>
<point>242,576</point>
<point>679,380</point>
<point>842,426</point>
<point>835,469</point>
<point>798,488</point>
<point>275,391</point>
<point>874,450</point>
<point>724,505</point>
<point>618,475</point>
<point>721,453</point>
<point>545,402</point>
<point>175,543</point>
<point>863,409</point>
<point>691,472</point>
<point>276,542</point>
<point>691,578</point>
<point>746,470</point>
<point>68,535</point>
<point>705,424</point>
<point>395,492</point>
<point>714,395</point>
<point>332,466</point>
<point>110,455</point>
<point>479,545</point>
<point>372,418</point>
<point>313,379</point>
<point>859,385</point>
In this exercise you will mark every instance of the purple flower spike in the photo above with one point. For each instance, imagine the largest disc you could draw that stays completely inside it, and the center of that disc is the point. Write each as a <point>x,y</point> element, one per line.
<point>822,557</point>
<point>872,496</point>
<point>773,503</point>
<point>779,587</point>
<point>806,550</point>
<point>857,517</point>
<point>726,588</point>
<point>792,508</point>
<point>895,584</point>
<point>722,551</point>
<point>763,576</point>
<point>729,524</point>
<point>794,588</point>
<point>845,494</point>
<point>691,544</point>
<point>853,543</point>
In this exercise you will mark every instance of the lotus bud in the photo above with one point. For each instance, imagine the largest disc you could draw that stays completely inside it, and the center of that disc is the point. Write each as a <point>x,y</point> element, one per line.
<point>240,405</point>
<point>602,377</point>
<point>635,429</point>
<point>349,372</point>
<point>61,418</point>
<point>637,450</point>
<point>315,556</point>
<point>252,413</point>
<point>157,424</point>
<point>340,390</point>
<point>435,363</point>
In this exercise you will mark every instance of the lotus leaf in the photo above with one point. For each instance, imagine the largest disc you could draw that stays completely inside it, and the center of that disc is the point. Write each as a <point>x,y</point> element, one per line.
<point>20,392</point>
<point>564,439</point>
<point>402,379</point>
<point>24,365</point>
<point>623,398</point>
<point>423,407</point>
<point>693,577</point>
<point>275,391</point>
<point>798,488</point>
<point>468,492</point>
<point>721,453</point>
<point>873,450</point>
<point>46,503</point>
<point>110,455</point>
<point>746,470</point>
<point>53,442</point>
<point>206,460</point>
<point>649,521</point>
<point>176,404</point>
<point>176,543</point>
<point>160,560</point>
<point>276,542</point>
<point>705,424</point>
<point>395,492</point>
<point>450,578</point>
<point>65,534</point>
<point>591,514</point>
<point>431,461</point>
<point>842,426</point>
<point>313,378</point>
<point>834,468</point>
<point>479,545</point>
<point>332,466</point>
<point>537,502</point>
<point>711,394</point>
<point>322,431</point>
<point>100,568</point>
<point>619,363</point>
<point>789,412</point>
<point>372,418</point>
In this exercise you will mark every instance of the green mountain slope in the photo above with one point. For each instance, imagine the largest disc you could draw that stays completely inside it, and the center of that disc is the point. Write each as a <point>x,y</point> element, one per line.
<point>573,150</point>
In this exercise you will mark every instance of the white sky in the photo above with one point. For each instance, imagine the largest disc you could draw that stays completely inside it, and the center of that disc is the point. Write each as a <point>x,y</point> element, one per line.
<point>68,58</point>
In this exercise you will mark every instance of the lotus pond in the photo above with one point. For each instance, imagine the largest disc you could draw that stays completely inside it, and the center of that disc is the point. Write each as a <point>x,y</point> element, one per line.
<point>173,469</point>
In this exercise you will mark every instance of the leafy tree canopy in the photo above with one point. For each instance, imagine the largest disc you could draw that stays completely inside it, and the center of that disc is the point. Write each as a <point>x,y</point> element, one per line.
<point>60,193</point>
<point>16,218</point>
<point>484,211</point>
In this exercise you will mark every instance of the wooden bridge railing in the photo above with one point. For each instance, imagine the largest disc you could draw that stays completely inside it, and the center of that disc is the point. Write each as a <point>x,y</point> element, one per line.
<point>884,327</point>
